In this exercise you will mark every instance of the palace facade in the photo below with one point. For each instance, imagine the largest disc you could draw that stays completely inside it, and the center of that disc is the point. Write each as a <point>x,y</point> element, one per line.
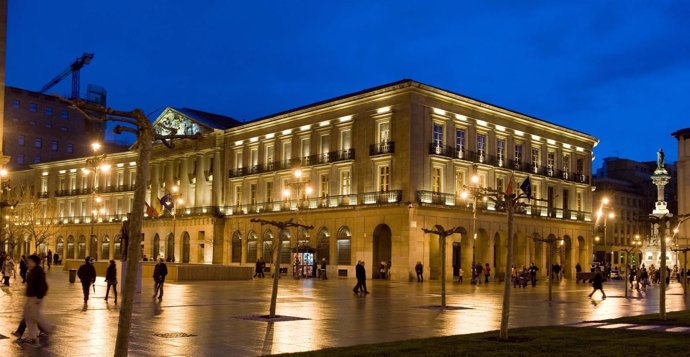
<point>376,167</point>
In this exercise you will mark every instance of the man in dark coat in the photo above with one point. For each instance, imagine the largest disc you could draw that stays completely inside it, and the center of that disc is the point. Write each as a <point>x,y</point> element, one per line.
<point>361,275</point>
<point>597,284</point>
<point>159,273</point>
<point>419,269</point>
<point>87,276</point>
<point>111,279</point>
<point>36,290</point>
<point>533,273</point>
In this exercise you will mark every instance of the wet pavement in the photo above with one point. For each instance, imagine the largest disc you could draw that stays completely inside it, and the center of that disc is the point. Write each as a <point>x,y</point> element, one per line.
<point>211,318</point>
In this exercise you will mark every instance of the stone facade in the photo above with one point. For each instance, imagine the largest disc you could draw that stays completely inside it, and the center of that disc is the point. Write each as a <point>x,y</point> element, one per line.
<point>381,164</point>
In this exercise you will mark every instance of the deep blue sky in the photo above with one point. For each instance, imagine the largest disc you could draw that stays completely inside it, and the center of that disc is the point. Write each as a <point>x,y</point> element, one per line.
<point>619,70</point>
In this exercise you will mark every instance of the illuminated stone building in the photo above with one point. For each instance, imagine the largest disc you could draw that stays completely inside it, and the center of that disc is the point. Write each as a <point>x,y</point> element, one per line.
<point>377,166</point>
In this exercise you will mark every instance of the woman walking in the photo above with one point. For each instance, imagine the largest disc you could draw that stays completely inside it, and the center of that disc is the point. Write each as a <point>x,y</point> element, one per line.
<point>111,279</point>
<point>597,284</point>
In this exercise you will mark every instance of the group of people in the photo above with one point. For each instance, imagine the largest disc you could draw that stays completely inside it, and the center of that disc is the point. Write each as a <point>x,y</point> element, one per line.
<point>640,277</point>
<point>479,272</point>
<point>521,276</point>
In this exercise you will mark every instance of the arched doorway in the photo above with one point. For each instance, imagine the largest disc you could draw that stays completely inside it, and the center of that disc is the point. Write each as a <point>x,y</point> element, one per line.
<point>93,248</point>
<point>117,247</point>
<point>382,248</point>
<point>267,247</point>
<point>251,247</point>
<point>60,247</point>
<point>81,247</point>
<point>236,248</point>
<point>185,247</point>
<point>156,247</point>
<point>343,245</point>
<point>323,245</point>
<point>170,248</point>
<point>285,250</point>
<point>105,248</point>
<point>583,257</point>
<point>456,255</point>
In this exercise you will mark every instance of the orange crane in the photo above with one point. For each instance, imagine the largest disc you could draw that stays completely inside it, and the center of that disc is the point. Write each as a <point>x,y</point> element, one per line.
<point>74,68</point>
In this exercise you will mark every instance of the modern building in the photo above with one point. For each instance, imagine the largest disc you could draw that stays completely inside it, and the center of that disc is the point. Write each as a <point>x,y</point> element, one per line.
<point>376,167</point>
<point>40,128</point>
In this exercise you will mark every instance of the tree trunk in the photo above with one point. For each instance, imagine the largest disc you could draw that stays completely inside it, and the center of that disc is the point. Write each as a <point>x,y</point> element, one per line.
<point>506,281</point>
<point>145,142</point>
<point>442,238</point>
<point>276,273</point>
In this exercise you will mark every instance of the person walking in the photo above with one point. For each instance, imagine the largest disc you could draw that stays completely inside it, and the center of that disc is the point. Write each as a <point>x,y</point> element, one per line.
<point>257,268</point>
<point>533,274</point>
<point>56,258</point>
<point>49,258</point>
<point>487,273</point>
<point>111,279</point>
<point>361,274</point>
<point>159,273</point>
<point>324,264</point>
<point>419,268</point>
<point>23,268</point>
<point>36,290</point>
<point>578,268</point>
<point>87,276</point>
<point>597,284</point>
<point>460,275</point>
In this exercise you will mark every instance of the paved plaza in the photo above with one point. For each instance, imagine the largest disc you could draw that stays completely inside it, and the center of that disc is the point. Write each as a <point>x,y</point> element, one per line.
<point>205,318</point>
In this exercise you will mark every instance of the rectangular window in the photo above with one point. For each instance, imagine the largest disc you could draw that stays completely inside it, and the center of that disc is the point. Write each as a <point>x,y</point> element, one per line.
<point>304,148</point>
<point>344,248</point>
<point>16,103</point>
<point>459,182</point>
<point>238,160</point>
<point>49,111</point>
<point>500,151</point>
<point>64,114</point>
<point>550,162</point>
<point>33,107</point>
<point>481,147</point>
<point>345,183</point>
<point>238,196</point>
<point>20,140</point>
<point>580,166</point>
<point>269,192</point>
<point>436,176</point>
<point>70,148</point>
<point>437,136</point>
<point>345,140</point>
<point>120,178</point>
<point>325,144</point>
<point>20,159</point>
<point>269,154</point>
<point>252,194</point>
<point>536,161</point>
<point>287,152</point>
<point>38,143</point>
<point>384,178</point>
<point>323,186</point>
<point>579,201</point>
<point>73,183</point>
<point>54,145</point>
<point>566,163</point>
<point>384,132</point>
<point>460,143</point>
<point>500,184</point>
<point>518,154</point>
<point>253,157</point>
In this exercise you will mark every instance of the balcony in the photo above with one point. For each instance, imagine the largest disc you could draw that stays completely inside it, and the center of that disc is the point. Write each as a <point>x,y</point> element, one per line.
<point>383,197</point>
<point>382,148</point>
<point>325,158</point>
<point>447,151</point>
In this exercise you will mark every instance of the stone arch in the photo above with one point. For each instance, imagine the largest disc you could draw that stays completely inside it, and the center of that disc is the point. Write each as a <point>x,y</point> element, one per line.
<point>186,242</point>
<point>105,248</point>
<point>344,246</point>
<point>81,247</point>
<point>156,247</point>
<point>251,247</point>
<point>323,244</point>
<point>117,247</point>
<point>236,248</point>
<point>382,247</point>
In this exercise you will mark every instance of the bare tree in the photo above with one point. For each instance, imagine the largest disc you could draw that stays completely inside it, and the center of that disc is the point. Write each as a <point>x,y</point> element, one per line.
<point>137,123</point>
<point>442,235</point>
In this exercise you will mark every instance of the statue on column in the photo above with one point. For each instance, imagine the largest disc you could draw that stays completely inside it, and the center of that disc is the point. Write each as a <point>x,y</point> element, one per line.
<point>660,159</point>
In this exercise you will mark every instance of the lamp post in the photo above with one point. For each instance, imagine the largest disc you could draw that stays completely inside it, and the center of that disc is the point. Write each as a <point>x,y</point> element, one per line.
<point>550,241</point>
<point>95,164</point>
<point>476,192</point>
<point>601,213</point>
<point>173,198</point>
<point>300,185</point>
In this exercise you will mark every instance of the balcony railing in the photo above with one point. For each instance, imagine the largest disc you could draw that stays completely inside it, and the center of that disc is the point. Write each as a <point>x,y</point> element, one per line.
<point>382,148</point>
<point>330,157</point>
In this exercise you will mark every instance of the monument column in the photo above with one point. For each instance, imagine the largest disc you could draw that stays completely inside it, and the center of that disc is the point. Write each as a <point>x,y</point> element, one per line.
<point>661,215</point>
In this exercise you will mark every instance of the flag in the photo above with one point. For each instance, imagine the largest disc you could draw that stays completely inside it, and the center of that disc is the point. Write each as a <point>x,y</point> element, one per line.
<point>167,202</point>
<point>509,190</point>
<point>526,187</point>
<point>150,211</point>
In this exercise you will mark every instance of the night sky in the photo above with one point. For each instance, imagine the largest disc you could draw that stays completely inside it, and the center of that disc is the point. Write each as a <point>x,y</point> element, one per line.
<point>618,70</point>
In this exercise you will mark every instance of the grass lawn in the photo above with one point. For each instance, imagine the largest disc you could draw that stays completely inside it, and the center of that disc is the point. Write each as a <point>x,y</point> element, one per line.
<point>544,341</point>
<point>676,318</point>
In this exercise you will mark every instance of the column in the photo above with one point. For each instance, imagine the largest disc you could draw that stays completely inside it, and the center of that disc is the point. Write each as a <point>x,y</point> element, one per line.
<point>155,183</point>
<point>218,179</point>
<point>200,199</point>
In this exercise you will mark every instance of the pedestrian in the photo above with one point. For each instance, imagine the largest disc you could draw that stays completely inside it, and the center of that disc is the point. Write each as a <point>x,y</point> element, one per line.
<point>36,290</point>
<point>324,264</point>
<point>56,258</point>
<point>533,274</point>
<point>111,280</point>
<point>597,284</point>
<point>4,270</point>
<point>49,258</point>
<point>257,268</point>
<point>361,274</point>
<point>478,272</point>
<point>419,268</point>
<point>514,276</point>
<point>87,276</point>
<point>487,273</point>
<point>159,273</point>
<point>578,268</point>
<point>389,265</point>
<point>23,268</point>
<point>460,274</point>
<point>11,267</point>
<point>382,270</point>
<point>263,268</point>
<point>631,278</point>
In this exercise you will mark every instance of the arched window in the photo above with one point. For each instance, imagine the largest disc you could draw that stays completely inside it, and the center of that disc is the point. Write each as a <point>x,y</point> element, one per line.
<point>81,247</point>
<point>323,245</point>
<point>117,247</point>
<point>60,246</point>
<point>185,247</point>
<point>285,252</point>
<point>251,247</point>
<point>302,237</point>
<point>170,248</point>
<point>70,247</point>
<point>268,246</point>
<point>105,248</point>
<point>93,248</point>
<point>236,252</point>
<point>156,248</point>
<point>344,243</point>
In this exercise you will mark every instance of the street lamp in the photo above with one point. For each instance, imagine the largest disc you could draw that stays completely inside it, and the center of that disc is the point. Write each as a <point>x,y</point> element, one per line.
<point>95,164</point>
<point>602,213</point>
<point>300,185</point>
<point>170,206</point>
<point>476,192</point>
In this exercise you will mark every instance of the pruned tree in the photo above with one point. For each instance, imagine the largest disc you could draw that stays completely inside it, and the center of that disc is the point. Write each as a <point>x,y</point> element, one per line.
<point>442,234</point>
<point>31,222</point>
<point>137,123</point>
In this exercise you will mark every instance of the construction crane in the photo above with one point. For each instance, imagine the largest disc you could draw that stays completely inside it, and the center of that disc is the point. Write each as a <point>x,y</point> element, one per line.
<point>74,68</point>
